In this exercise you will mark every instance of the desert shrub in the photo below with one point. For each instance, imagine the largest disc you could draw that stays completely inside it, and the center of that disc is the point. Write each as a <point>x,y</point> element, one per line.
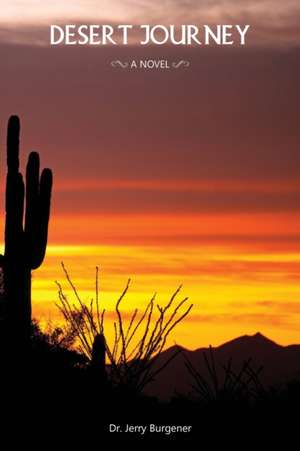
<point>132,355</point>
<point>224,384</point>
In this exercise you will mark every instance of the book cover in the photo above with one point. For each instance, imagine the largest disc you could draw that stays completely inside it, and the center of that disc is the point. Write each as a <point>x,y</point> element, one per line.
<point>150,220</point>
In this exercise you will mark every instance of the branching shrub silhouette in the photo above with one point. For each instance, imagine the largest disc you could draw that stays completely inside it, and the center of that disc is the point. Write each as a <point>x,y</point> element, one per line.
<point>241,386</point>
<point>25,234</point>
<point>134,351</point>
<point>55,336</point>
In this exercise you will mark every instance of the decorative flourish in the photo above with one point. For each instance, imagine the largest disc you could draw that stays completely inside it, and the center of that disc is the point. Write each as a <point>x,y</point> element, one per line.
<point>181,63</point>
<point>118,63</point>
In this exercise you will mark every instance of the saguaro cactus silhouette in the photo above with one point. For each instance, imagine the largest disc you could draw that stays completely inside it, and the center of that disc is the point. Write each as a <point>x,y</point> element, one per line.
<point>98,357</point>
<point>98,354</point>
<point>26,230</point>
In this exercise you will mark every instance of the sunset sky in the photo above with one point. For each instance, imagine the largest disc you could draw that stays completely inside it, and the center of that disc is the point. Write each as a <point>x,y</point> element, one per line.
<point>172,177</point>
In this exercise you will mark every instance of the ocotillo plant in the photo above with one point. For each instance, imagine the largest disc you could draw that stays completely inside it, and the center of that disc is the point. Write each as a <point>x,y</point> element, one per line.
<point>25,232</point>
<point>134,350</point>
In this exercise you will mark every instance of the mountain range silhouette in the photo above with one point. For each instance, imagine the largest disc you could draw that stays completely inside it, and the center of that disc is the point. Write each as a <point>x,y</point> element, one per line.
<point>279,364</point>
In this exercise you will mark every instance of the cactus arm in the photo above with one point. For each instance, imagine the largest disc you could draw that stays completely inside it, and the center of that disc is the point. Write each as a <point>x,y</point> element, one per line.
<point>32,193</point>
<point>32,205</point>
<point>44,202</point>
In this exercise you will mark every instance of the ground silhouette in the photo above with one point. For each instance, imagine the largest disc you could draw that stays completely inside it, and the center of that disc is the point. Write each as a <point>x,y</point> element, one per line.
<point>277,364</point>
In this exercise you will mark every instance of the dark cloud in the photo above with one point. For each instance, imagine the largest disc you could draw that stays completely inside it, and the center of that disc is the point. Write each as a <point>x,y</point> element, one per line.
<point>258,320</point>
<point>155,201</point>
<point>232,115</point>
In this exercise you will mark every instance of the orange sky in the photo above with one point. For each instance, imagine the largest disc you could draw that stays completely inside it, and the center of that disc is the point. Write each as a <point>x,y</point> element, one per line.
<point>237,285</point>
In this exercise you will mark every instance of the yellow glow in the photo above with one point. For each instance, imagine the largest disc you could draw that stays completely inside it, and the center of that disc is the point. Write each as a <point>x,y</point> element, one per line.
<point>233,292</point>
<point>241,271</point>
